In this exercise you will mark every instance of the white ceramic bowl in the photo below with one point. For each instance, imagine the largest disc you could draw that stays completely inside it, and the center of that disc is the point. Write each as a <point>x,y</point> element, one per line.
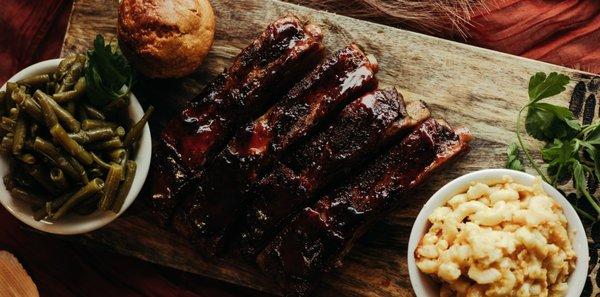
<point>424,286</point>
<point>76,224</point>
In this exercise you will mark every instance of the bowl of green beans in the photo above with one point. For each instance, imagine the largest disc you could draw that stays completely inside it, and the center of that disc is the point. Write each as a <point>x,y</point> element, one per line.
<point>69,166</point>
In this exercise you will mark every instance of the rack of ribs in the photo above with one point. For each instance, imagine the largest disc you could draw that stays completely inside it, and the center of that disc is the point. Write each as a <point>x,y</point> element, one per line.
<point>207,217</point>
<point>320,236</point>
<point>260,73</point>
<point>363,127</point>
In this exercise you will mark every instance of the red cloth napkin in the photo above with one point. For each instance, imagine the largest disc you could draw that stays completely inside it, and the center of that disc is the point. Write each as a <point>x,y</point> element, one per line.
<point>30,31</point>
<point>560,32</point>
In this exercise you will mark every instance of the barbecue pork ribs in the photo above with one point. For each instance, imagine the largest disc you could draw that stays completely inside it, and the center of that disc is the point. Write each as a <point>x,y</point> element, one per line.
<point>208,216</point>
<point>321,235</point>
<point>258,75</point>
<point>361,129</point>
<point>292,156</point>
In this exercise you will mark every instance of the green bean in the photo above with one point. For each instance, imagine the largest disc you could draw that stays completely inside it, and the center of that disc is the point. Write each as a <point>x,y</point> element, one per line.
<point>115,106</point>
<point>7,142</point>
<point>58,202</point>
<point>33,130</point>
<point>51,206</point>
<point>9,182</point>
<point>35,81</point>
<point>25,102</point>
<point>79,168</point>
<point>100,162</point>
<point>92,135</point>
<point>30,198</point>
<point>75,94</point>
<point>8,124</point>
<point>95,173</point>
<point>93,113</point>
<point>130,169</point>
<point>91,124</point>
<point>64,66</point>
<point>9,121</point>
<point>42,177</point>
<point>50,87</point>
<point>10,88</point>
<point>71,107</point>
<point>58,177</point>
<point>136,131</point>
<point>87,191</point>
<point>64,115</point>
<point>110,144</point>
<point>2,103</point>
<point>19,135</point>
<point>23,179</point>
<point>48,113</point>
<point>13,113</point>
<point>113,178</point>
<point>27,159</point>
<point>88,206</point>
<point>120,131</point>
<point>81,58</point>
<point>80,114</point>
<point>117,155</point>
<point>71,76</point>
<point>71,146</point>
<point>41,213</point>
<point>125,158</point>
<point>54,155</point>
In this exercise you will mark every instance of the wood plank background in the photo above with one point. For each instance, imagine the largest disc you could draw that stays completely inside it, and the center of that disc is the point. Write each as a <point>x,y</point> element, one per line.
<point>467,86</point>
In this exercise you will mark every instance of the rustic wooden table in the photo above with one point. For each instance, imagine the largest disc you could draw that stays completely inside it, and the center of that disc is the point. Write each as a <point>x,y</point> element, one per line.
<point>468,86</point>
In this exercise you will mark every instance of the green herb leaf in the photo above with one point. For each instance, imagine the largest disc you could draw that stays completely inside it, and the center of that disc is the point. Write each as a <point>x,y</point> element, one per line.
<point>579,177</point>
<point>107,73</point>
<point>547,122</point>
<point>513,162</point>
<point>594,154</point>
<point>542,86</point>
<point>592,134</point>
<point>559,155</point>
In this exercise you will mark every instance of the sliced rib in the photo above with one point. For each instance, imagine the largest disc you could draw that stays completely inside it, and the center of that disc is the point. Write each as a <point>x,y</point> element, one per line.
<point>362,128</point>
<point>168,178</point>
<point>209,215</point>
<point>258,74</point>
<point>320,236</point>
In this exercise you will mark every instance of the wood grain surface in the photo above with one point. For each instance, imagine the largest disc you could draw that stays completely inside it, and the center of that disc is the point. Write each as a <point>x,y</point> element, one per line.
<point>467,86</point>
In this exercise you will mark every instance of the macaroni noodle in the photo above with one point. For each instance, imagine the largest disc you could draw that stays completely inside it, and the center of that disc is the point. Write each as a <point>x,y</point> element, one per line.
<point>501,240</point>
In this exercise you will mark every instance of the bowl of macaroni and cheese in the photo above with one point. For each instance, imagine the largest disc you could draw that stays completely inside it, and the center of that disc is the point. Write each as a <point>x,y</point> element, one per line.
<point>498,232</point>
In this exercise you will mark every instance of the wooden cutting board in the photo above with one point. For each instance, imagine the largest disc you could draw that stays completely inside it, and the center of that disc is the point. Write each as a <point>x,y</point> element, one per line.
<point>469,86</point>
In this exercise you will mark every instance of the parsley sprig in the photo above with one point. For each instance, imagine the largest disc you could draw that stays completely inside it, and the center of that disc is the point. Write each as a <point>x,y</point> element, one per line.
<point>107,73</point>
<point>572,150</point>
<point>513,161</point>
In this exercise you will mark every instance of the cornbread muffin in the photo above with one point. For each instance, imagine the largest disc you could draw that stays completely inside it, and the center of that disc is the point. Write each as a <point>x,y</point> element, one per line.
<point>165,38</point>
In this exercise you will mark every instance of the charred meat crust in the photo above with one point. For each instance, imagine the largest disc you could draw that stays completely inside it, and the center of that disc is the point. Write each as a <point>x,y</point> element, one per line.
<point>320,236</point>
<point>214,210</point>
<point>191,139</point>
<point>168,178</point>
<point>362,128</point>
<point>240,91</point>
<point>342,77</point>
